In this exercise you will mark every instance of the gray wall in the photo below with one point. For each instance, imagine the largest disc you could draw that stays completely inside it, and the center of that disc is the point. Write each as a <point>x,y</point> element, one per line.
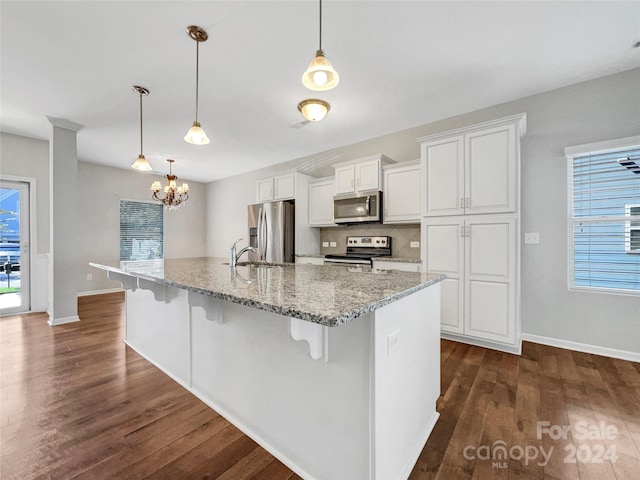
<point>101,189</point>
<point>98,214</point>
<point>601,109</point>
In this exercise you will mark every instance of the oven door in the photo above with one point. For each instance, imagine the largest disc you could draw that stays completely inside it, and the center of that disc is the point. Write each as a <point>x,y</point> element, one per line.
<point>358,207</point>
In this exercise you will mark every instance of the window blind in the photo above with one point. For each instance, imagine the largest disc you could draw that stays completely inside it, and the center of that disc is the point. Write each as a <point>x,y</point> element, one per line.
<point>141,230</point>
<point>604,210</point>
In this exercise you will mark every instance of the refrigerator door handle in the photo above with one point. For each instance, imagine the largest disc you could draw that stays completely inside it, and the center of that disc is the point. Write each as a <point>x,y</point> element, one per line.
<point>266,228</point>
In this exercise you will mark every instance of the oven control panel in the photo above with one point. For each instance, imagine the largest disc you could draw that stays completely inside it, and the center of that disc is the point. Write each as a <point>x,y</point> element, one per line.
<point>382,242</point>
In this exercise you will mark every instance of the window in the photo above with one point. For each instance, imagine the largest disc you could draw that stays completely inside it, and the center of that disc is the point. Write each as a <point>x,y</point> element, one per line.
<point>604,216</point>
<point>141,230</point>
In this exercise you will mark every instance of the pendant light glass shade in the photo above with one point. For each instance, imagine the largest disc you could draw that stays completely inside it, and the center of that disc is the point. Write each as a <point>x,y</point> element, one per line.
<point>196,135</point>
<point>141,163</point>
<point>320,76</point>
<point>313,109</point>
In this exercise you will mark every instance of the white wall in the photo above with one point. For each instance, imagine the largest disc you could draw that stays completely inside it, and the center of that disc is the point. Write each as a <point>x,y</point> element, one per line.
<point>101,189</point>
<point>601,109</point>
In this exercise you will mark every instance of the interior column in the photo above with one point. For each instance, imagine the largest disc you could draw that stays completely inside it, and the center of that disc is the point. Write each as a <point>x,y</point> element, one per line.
<point>63,177</point>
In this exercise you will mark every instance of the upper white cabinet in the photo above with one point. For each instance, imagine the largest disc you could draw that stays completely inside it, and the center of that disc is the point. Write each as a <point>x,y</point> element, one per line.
<point>473,170</point>
<point>279,187</point>
<point>401,198</point>
<point>360,175</point>
<point>321,202</point>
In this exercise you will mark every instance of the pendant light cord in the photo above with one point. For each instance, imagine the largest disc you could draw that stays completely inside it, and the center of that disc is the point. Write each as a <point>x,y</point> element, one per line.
<point>197,70</point>
<point>320,25</point>
<point>140,123</point>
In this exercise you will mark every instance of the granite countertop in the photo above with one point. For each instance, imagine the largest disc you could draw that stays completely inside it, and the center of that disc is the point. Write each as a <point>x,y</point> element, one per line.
<point>310,255</point>
<point>321,294</point>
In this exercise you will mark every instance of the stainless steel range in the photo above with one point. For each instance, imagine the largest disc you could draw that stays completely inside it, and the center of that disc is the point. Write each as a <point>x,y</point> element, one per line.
<point>360,252</point>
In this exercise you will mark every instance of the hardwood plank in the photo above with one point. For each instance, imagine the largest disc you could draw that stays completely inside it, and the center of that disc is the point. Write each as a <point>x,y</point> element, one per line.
<point>77,403</point>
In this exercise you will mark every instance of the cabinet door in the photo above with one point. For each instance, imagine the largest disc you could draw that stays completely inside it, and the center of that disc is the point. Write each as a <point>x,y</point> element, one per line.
<point>321,203</point>
<point>264,190</point>
<point>368,175</point>
<point>443,252</point>
<point>401,197</point>
<point>491,177</point>
<point>284,186</point>
<point>490,257</point>
<point>345,181</point>
<point>402,266</point>
<point>443,168</point>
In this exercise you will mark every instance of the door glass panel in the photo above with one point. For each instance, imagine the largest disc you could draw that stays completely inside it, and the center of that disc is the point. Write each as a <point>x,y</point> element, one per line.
<point>14,247</point>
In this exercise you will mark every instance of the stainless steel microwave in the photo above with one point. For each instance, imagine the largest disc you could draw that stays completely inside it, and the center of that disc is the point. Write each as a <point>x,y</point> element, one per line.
<point>358,207</point>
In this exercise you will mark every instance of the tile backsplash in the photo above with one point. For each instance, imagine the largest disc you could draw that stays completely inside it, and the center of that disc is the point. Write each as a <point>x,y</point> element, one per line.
<point>402,235</point>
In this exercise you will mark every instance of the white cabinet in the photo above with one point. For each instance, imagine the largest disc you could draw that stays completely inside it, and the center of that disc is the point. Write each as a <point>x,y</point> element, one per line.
<point>321,202</point>
<point>473,170</point>
<point>401,198</point>
<point>310,260</point>
<point>360,175</point>
<point>479,256</point>
<point>279,187</point>
<point>396,265</point>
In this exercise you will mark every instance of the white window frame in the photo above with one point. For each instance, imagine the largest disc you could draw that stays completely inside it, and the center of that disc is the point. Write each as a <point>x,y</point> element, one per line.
<point>570,153</point>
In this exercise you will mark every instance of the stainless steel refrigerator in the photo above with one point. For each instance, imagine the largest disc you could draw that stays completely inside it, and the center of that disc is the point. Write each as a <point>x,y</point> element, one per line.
<point>272,232</point>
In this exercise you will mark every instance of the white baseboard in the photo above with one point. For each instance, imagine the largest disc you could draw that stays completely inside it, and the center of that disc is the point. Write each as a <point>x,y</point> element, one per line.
<point>582,347</point>
<point>62,320</point>
<point>515,349</point>
<point>99,292</point>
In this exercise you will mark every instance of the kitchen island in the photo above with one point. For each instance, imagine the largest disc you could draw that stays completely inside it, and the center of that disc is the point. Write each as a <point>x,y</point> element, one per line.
<point>333,370</point>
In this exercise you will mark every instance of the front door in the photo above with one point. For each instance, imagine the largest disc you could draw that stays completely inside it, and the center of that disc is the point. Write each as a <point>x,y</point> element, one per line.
<point>14,247</point>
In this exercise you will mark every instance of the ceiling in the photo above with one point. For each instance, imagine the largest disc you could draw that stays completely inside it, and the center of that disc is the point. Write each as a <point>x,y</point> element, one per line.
<point>401,64</point>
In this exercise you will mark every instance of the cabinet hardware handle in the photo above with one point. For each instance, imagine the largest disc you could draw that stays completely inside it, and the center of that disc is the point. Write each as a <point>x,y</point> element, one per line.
<point>468,229</point>
<point>358,182</point>
<point>461,203</point>
<point>352,182</point>
<point>461,230</point>
<point>467,203</point>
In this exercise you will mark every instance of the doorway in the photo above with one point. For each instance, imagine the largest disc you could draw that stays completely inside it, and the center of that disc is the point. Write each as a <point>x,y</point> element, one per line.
<point>14,247</point>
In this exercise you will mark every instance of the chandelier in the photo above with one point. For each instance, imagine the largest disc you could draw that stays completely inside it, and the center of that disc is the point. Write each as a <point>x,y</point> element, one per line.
<point>141,163</point>
<point>174,196</point>
<point>320,76</point>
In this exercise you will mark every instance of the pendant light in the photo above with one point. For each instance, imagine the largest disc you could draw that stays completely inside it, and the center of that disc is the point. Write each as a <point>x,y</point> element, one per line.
<point>196,134</point>
<point>313,109</point>
<point>320,76</point>
<point>141,162</point>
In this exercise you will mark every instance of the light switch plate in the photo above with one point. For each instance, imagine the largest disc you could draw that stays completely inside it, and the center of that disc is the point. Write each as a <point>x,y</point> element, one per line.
<point>414,244</point>
<point>325,244</point>
<point>333,244</point>
<point>392,341</point>
<point>532,238</point>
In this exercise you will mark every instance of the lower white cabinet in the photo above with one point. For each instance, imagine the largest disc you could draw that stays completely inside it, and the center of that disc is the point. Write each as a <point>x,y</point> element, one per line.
<point>480,295</point>
<point>399,265</point>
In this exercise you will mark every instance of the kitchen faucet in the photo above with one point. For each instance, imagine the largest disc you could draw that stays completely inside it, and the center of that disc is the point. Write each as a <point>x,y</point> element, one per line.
<point>233,256</point>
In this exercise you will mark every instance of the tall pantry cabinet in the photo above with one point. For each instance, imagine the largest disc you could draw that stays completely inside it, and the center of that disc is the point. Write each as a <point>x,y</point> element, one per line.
<point>471,229</point>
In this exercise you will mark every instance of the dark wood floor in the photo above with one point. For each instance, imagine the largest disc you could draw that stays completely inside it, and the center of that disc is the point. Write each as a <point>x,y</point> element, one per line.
<point>77,403</point>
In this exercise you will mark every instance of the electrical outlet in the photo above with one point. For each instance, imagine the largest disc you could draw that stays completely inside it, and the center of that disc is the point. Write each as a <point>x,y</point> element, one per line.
<point>414,244</point>
<point>333,244</point>
<point>89,276</point>
<point>325,244</point>
<point>392,341</point>
<point>532,238</point>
